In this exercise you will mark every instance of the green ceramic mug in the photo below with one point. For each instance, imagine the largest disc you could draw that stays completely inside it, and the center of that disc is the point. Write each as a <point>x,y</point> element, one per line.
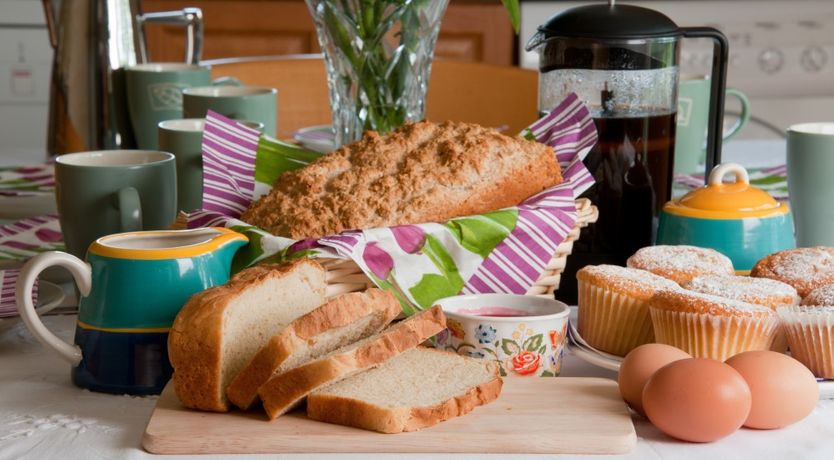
<point>693,116</point>
<point>239,102</point>
<point>154,94</point>
<point>184,138</point>
<point>811,190</point>
<point>113,191</point>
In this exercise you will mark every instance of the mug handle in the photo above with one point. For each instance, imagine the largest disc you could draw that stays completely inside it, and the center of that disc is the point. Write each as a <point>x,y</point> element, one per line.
<point>743,118</point>
<point>226,81</point>
<point>82,274</point>
<point>130,209</point>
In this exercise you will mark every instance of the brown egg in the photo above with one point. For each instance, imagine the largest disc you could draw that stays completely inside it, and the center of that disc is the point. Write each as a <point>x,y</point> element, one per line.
<point>783,390</point>
<point>639,364</point>
<point>697,400</point>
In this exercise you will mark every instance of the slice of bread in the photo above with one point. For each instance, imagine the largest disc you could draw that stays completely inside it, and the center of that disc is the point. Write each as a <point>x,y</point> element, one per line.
<point>220,329</point>
<point>416,389</point>
<point>282,392</point>
<point>338,323</point>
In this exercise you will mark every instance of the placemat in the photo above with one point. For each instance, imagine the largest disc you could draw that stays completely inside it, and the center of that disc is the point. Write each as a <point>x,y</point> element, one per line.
<point>27,180</point>
<point>772,179</point>
<point>28,237</point>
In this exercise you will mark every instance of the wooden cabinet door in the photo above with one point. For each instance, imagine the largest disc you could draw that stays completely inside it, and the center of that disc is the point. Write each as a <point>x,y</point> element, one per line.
<point>235,28</point>
<point>478,32</point>
<point>472,30</point>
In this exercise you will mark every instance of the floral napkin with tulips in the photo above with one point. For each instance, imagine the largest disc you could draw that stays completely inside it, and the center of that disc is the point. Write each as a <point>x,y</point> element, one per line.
<point>21,240</point>
<point>29,237</point>
<point>505,250</point>
<point>27,180</point>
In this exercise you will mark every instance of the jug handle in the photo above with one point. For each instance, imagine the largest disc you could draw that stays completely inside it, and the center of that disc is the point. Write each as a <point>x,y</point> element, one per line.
<point>49,12</point>
<point>718,85</point>
<point>190,18</point>
<point>26,280</point>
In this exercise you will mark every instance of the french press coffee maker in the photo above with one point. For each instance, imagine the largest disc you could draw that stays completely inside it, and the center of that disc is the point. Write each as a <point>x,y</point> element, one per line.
<point>622,62</point>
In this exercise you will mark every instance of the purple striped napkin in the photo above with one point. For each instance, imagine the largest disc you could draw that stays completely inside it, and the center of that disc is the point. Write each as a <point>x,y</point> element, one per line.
<point>422,262</point>
<point>545,219</point>
<point>229,152</point>
<point>8,305</point>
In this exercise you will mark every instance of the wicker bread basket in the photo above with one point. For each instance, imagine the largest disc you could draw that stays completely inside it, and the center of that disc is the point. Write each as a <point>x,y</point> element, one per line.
<point>345,276</point>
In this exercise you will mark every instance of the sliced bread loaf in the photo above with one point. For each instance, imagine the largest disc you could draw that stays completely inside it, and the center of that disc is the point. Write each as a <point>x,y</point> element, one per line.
<point>220,329</point>
<point>338,323</point>
<point>416,389</point>
<point>282,392</point>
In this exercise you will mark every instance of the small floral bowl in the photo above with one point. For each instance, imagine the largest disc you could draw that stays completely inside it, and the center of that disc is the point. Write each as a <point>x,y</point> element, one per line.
<point>525,335</point>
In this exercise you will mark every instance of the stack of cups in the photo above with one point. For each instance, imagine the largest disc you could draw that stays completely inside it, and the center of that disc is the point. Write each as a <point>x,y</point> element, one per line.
<point>168,102</point>
<point>184,138</point>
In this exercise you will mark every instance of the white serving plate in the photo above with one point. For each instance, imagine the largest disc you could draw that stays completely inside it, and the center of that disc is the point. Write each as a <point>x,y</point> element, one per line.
<point>319,138</point>
<point>13,208</point>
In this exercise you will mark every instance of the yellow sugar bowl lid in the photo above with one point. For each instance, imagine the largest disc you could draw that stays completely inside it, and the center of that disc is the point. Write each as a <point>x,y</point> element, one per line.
<point>719,200</point>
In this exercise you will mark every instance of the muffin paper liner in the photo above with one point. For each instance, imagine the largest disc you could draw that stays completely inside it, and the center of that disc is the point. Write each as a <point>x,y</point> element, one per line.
<point>710,336</point>
<point>810,334</point>
<point>612,322</point>
<point>780,340</point>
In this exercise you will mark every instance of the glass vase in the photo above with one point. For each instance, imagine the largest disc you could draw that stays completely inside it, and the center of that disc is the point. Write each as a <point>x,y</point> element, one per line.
<point>378,55</point>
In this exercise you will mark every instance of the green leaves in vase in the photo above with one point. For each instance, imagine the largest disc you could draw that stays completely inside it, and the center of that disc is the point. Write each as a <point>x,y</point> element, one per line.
<point>378,55</point>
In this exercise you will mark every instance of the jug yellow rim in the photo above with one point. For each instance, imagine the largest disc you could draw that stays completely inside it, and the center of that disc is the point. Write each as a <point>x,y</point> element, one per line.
<point>104,247</point>
<point>719,200</point>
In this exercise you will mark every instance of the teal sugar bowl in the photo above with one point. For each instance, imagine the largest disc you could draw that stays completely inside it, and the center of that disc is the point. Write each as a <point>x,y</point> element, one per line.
<point>740,221</point>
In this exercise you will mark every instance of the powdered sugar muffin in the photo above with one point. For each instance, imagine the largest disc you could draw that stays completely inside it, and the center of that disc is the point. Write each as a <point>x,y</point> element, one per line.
<point>760,291</point>
<point>803,268</point>
<point>822,296</point>
<point>681,263</point>
<point>613,306</point>
<point>708,326</point>
<point>810,333</point>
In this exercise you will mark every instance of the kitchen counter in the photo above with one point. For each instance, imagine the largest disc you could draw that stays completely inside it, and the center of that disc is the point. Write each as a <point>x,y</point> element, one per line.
<point>43,416</point>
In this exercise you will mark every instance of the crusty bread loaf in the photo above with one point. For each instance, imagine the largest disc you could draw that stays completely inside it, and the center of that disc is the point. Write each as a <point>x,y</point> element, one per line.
<point>284,391</point>
<point>338,323</point>
<point>422,172</point>
<point>414,390</point>
<point>219,330</point>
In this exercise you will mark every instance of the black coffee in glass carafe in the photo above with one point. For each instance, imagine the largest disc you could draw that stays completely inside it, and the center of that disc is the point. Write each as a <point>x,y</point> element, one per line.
<point>622,62</point>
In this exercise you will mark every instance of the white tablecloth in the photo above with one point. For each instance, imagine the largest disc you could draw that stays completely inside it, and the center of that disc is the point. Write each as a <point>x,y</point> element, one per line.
<point>43,416</point>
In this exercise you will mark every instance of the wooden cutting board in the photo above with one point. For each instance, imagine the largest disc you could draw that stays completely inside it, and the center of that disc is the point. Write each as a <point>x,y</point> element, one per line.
<point>533,415</point>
